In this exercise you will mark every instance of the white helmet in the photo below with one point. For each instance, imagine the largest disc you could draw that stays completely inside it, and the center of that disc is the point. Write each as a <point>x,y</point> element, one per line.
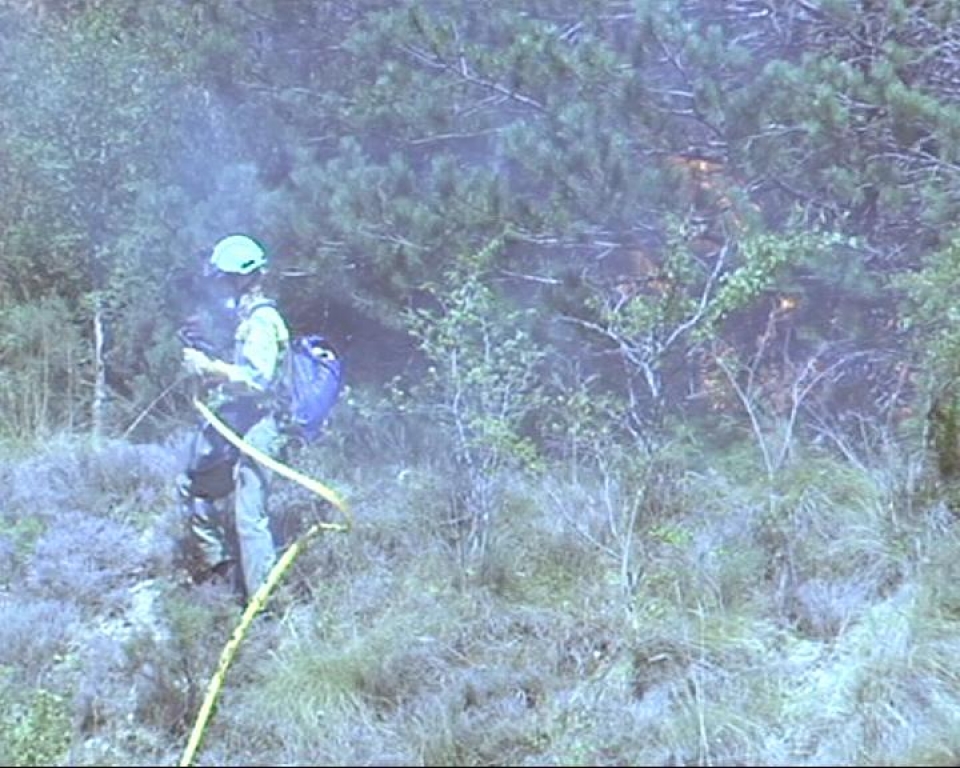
<point>238,255</point>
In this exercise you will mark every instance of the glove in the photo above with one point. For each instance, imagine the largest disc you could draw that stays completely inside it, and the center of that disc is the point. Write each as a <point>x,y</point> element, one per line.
<point>200,364</point>
<point>191,334</point>
<point>196,362</point>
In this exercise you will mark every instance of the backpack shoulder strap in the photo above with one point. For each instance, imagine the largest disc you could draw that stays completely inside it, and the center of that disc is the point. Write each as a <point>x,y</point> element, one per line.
<point>266,313</point>
<point>262,301</point>
<point>269,306</point>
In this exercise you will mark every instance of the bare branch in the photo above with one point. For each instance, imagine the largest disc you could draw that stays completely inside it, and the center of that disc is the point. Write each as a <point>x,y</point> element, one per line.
<point>462,70</point>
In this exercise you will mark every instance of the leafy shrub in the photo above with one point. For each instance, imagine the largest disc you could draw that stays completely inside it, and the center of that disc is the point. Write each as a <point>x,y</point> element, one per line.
<point>35,726</point>
<point>172,668</point>
<point>482,385</point>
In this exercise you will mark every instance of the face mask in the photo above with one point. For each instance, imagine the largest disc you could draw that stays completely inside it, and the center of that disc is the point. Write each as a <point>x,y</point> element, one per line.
<point>224,292</point>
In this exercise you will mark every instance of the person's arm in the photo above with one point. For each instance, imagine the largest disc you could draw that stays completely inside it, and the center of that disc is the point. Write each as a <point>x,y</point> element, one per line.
<point>259,355</point>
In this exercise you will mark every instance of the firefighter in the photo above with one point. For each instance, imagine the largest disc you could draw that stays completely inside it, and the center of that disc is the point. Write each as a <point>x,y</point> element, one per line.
<point>233,541</point>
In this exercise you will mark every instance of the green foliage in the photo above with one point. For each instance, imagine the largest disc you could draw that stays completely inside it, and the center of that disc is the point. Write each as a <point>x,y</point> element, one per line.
<point>944,417</point>
<point>25,532</point>
<point>482,370</point>
<point>762,260</point>
<point>871,108</point>
<point>689,299</point>
<point>35,727</point>
<point>160,126</point>
<point>44,369</point>
<point>482,385</point>
<point>173,671</point>
<point>932,315</point>
<point>92,214</point>
<point>580,419</point>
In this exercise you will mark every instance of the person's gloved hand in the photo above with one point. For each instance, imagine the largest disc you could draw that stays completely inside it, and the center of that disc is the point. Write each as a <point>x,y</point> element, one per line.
<point>197,363</point>
<point>200,364</point>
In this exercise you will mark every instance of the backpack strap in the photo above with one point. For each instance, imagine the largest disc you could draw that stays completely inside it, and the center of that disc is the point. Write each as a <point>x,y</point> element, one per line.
<point>260,301</point>
<point>279,325</point>
<point>266,310</point>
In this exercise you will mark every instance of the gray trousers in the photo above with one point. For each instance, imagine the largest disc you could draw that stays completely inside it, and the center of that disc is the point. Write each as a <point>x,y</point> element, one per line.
<point>222,533</point>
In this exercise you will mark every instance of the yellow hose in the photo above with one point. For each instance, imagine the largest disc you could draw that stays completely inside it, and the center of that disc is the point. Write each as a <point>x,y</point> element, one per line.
<point>261,596</point>
<point>281,469</point>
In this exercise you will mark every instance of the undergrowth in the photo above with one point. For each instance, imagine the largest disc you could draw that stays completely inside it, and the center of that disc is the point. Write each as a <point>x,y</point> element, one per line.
<point>672,614</point>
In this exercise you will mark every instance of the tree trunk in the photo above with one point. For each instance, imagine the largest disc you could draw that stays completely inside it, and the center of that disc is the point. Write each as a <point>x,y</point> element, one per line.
<point>100,376</point>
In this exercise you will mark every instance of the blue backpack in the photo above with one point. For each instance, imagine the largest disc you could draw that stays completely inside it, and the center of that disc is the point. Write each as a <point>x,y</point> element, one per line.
<point>310,384</point>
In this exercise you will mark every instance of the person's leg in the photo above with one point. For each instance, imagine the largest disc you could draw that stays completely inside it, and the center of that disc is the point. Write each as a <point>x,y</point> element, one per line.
<point>254,538</point>
<point>205,529</point>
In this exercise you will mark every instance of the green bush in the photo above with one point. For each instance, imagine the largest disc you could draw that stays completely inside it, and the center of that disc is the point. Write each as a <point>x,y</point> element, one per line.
<point>35,727</point>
